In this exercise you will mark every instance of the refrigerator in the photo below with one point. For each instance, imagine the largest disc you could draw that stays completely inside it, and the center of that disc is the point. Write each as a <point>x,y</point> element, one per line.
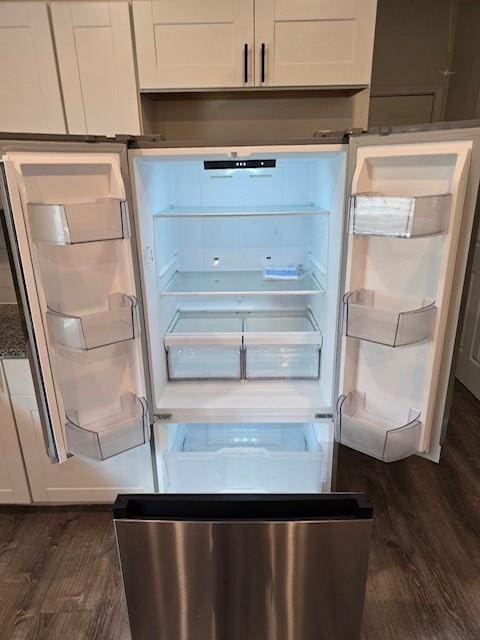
<point>243,308</point>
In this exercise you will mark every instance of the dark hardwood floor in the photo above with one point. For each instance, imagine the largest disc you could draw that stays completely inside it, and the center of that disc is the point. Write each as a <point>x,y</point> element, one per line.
<point>59,577</point>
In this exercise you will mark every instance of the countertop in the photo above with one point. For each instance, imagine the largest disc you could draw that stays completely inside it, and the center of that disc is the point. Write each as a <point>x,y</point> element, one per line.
<point>12,337</point>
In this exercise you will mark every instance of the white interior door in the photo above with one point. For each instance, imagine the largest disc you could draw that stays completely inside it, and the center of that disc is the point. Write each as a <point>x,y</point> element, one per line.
<point>412,207</point>
<point>468,364</point>
<point>314,42</point>
<point>70,222</point>
<point>30,91</point>
<point>184,44</point>
<point>95,58</point>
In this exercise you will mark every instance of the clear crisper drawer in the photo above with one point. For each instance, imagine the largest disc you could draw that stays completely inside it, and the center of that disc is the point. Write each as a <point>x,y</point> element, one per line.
<point>282,345</point>
<point>380,436</point>
<point>81,222</point>
<point>386,324</point>
<point>403,217</point>
<point>244,458</point>
<point>112,435</point>
<point>204,346</point>
<point>81,333</point>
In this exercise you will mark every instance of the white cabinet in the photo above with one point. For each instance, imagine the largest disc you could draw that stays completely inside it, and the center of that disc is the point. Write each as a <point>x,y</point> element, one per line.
<point>95,59</point>
<point>314,42</point>
<point>186,44</point>
<point>13,479</point>
<point>31,100</point>
<point>77,479</point>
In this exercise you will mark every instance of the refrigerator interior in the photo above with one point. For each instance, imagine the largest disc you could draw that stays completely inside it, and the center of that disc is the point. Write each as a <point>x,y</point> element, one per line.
<point>404,228</point>
<point>267,346</point>
<point>73,236</point>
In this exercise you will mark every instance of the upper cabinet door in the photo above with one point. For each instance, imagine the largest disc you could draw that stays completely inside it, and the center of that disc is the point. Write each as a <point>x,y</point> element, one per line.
<point>314,42</point>
<point>186,44</point>
<point>31,100</point>
<point>95,57</point>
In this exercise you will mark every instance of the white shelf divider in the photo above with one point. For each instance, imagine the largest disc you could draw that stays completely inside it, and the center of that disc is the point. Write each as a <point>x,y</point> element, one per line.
<point>262,210</point>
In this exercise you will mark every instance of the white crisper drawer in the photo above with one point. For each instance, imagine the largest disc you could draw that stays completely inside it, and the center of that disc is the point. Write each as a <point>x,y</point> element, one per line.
<point>223,458</point>
<point>204,346</point>
<point>282,345</point>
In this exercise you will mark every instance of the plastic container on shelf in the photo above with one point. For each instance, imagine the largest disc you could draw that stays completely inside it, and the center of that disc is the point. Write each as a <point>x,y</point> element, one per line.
<point>244,458</point>
<point>79,222</point>
<point>377,435</point>
<point>399,216</point>
<point>84,332</point>
<point>363,320</point>
<point>282,346</point>
<point>112,435</point>
<point>204,346</point>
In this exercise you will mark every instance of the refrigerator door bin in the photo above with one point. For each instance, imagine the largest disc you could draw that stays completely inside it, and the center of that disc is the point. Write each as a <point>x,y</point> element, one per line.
<point>282,345</point>
<point>393,328</point>
<point>90,331</point>
<point>244,458</point>
<point>80,222</point>
<point>383,438</point>
<point>402,217</point>
<point>112,435</point>
<point>244,567</point>
<point>204,346</point>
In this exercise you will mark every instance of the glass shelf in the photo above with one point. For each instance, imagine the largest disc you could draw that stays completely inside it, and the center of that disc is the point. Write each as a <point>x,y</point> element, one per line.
<point>231,458</point>
<point>376,435</point>
<point>388,327</point>
<point>401,217</point>
<point>81,222</point>
<point>238,282</point>
<point>82,333</point>
<point>282,345</point>
<point>262,210</point>
<point>109,436</point>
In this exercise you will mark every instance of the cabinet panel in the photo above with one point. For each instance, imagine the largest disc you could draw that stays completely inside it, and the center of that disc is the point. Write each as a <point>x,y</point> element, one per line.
<point>31,100</point>
<point>13,479</point>
<point>186,44</point>
<point>77,479</point>
<point>95,54</point>
<point>314,42</point>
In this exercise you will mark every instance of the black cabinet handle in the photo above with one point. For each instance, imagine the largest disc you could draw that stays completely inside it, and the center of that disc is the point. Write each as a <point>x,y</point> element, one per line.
<point>245,63</point>
<point>262,63</point>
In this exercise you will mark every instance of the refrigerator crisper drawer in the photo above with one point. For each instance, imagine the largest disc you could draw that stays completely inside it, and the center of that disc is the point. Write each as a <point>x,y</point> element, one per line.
<point>239,567</point>
<point>282,346</point>
<point>243,458</point>
<point>403,217</point>
<point>79,222</point>
<point>204,346</point>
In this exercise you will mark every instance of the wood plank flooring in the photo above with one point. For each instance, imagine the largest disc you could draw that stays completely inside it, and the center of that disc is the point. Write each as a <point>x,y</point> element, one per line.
<point>59,578</point>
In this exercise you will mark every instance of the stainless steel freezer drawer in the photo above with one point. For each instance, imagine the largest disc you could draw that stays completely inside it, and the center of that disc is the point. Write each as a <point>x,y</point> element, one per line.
<point>244,567</point>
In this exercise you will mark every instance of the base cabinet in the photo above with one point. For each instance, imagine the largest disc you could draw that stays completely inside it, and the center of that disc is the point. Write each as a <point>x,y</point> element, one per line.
<point>78,479</point>
<point>13,478</point>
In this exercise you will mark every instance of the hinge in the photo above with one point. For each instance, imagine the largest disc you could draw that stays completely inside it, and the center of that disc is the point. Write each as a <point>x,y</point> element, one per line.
<point>165,417</point>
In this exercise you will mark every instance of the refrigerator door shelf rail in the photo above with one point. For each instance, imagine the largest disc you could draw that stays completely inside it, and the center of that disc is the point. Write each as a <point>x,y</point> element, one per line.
<point>112,435</point>
<point>375,214</point>
<point>80,222</point>
<point>378,436</point>
<point>388,327</point>
<point>244,458</point>
<point>119,323</point>
<point>234,283</point>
